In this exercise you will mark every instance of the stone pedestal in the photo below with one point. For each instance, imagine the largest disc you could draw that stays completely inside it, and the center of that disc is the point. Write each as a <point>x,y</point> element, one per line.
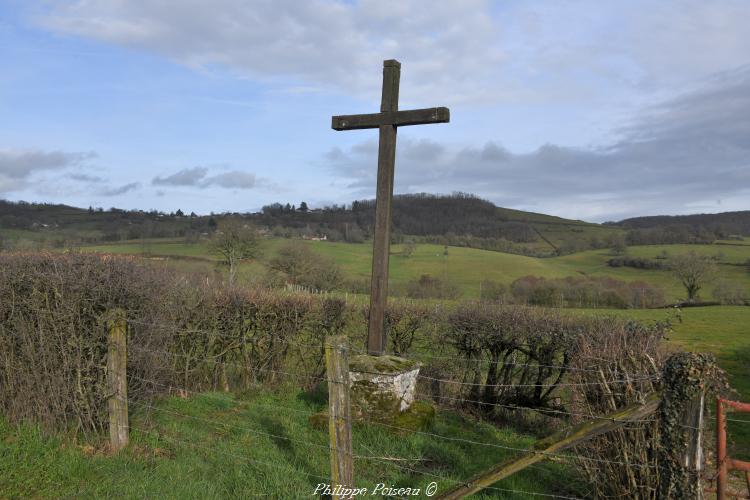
<point>383,389</point>
<point>382,383</point>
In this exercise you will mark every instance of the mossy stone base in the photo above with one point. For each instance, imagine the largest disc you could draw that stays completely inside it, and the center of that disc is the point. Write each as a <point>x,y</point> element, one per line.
<point>382,389</point>
<point>382,386</point>
<point>385,364</point>
<point>419,417</point>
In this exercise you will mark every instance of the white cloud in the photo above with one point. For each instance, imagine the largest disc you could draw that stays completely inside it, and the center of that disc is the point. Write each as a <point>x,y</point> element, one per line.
<point>447,46</point>
<point>453,50</point>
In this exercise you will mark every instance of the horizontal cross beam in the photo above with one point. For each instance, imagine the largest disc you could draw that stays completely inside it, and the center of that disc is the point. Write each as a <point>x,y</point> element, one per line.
<point>396,118</point>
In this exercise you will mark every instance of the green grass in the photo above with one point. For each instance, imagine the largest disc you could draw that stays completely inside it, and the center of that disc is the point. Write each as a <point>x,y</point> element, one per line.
<point>219,446</point>
<point>465,267</point>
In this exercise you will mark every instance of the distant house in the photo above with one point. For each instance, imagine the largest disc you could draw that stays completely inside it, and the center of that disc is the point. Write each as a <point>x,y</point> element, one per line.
<point>315,237</point>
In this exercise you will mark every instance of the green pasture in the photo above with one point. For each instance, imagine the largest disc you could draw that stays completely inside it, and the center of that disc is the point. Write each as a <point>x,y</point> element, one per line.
<point>464,267</point>
<point>224,446</point>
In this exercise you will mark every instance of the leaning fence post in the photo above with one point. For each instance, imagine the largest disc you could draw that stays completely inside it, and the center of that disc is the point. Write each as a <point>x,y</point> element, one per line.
<point>339,421</point>
<point>687,376</point>
<point>117,384</point>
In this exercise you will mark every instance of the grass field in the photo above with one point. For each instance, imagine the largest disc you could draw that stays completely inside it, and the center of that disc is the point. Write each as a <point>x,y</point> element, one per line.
<point>467,267</point>
<point>184,456</point>
<point>219,446</point>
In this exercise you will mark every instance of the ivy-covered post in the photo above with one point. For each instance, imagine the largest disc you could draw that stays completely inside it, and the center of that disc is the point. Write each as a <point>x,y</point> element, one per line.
<point>117,382</point>
<point>688,377</point>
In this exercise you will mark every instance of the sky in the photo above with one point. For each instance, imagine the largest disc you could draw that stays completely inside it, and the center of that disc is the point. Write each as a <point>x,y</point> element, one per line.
<point>583,109</point>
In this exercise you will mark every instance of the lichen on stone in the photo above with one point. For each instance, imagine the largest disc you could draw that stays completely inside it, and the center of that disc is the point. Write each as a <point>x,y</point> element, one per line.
<point>384,365</point>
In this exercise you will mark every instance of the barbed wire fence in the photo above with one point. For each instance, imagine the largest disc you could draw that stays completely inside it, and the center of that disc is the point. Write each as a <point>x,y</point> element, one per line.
<point>415,467</point>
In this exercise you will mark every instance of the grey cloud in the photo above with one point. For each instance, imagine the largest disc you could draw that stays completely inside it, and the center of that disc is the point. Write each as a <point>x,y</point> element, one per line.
<point>86,178</point>
<point>126,188</point>
<point>679,156</point>
<point>198,177</point>
<point>21,164</point>
<point>234,179</point>
<point>18,166</point>
<point>184,177</point>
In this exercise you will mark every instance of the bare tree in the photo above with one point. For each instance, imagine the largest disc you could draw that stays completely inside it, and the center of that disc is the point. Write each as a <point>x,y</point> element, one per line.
<point>304,267</point>
<point>693,270</point>
<point>235,241</point>
<point>409,248</point>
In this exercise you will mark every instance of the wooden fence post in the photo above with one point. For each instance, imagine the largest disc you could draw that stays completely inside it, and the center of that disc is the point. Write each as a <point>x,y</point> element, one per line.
<point>687,377</point>
<point>117,383</point>
<point>339,421</point>
<point>553,444</point>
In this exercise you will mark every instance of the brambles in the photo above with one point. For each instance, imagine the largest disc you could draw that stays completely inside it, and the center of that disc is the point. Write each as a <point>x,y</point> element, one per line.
<point>617,363</point>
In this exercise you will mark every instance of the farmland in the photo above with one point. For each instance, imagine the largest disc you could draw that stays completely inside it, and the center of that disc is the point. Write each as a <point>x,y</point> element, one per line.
<point>214,445</point>
<point>721,330</point>
<point>224,446</point>
<point>464,267</point>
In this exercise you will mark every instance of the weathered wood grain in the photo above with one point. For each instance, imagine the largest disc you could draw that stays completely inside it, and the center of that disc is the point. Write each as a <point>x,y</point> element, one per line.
<point>398,118</point>
<point>117,360</point>
<point>339,421</point>
<point>383,201</point>
<point>555,443</point>
<point>386,121</point>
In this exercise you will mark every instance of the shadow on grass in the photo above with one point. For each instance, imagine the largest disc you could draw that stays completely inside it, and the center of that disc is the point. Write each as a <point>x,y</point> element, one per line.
<point>286,444</point>
<point>317,396</point>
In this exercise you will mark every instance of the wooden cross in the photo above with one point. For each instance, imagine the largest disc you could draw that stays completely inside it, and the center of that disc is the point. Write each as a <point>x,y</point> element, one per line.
<point>387,120</point>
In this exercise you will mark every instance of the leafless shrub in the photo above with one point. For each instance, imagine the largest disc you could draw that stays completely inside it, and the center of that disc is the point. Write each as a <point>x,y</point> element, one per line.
<point>615,364</point>
<point>515,356</point>
<point>53,334</point>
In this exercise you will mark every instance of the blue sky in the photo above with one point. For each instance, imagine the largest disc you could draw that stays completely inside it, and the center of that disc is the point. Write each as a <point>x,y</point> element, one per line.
<point>584,109</point>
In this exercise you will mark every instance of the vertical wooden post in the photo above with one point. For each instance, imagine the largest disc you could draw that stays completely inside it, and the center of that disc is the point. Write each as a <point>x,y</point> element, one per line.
<point>686,378</point>
<point>383,200</point>
<point>117,358</point>
<point>692,458</point>
<point>339,421</point>
<point>721,450</point>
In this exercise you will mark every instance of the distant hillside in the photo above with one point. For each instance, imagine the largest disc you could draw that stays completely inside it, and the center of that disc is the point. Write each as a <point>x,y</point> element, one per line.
<point>60,225</point>
<point>458,220</point>
<point>698,228</point>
